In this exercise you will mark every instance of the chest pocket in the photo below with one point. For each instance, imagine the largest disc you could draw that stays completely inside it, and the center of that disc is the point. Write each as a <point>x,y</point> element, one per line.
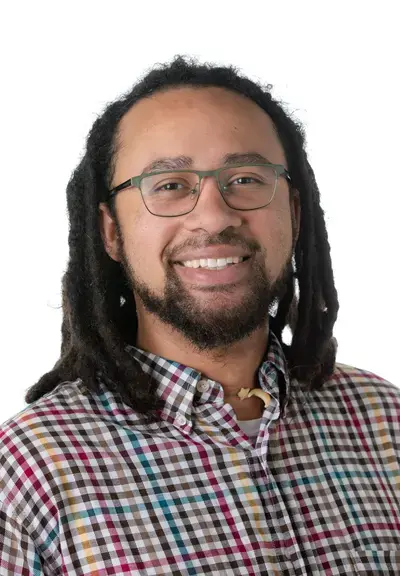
<point>376,561</point>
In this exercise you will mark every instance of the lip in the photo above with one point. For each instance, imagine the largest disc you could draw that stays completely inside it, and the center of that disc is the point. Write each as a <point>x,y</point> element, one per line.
<point>203,277</point>
<point>213,252</point>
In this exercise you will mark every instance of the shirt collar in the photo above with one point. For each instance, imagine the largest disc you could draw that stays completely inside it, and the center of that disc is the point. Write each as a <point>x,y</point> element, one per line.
<point>178,384</point>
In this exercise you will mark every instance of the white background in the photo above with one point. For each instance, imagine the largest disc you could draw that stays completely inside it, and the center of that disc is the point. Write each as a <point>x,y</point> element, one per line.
<point>334,65</point>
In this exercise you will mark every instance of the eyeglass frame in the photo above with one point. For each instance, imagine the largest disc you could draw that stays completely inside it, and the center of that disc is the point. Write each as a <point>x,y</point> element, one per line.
<point>135,182</point>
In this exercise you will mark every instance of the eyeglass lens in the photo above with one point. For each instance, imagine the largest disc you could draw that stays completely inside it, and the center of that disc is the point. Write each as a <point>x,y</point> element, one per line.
<point>175,193</point>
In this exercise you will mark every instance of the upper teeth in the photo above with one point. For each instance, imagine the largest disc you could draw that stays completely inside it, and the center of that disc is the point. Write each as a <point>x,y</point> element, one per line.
<point>213,262</point>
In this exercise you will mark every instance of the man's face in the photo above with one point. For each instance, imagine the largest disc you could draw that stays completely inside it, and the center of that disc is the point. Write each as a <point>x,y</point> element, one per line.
<point>211,311</point>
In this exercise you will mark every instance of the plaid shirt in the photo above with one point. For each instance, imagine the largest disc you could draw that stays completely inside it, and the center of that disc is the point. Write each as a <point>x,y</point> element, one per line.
<point>86,488</point>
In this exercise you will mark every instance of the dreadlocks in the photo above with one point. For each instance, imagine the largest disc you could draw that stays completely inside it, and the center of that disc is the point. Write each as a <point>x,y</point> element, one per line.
<point>99,311</point>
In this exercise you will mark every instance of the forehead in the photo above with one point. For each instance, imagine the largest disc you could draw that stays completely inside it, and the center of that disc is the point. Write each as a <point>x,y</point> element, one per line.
<point>203,123</point>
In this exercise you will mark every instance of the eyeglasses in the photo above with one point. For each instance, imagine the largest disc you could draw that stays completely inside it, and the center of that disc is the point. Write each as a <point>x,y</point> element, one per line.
<point>170,193</point>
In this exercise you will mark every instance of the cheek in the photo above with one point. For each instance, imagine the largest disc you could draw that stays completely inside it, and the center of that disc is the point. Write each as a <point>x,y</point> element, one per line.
<point>273,232</point>
<point>144,240</point>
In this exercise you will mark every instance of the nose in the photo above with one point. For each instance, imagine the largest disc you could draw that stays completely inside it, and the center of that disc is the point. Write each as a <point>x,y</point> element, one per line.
<point>211,212</point>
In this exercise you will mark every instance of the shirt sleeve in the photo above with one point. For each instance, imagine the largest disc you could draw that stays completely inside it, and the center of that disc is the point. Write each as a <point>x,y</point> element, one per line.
<point>18,555</point>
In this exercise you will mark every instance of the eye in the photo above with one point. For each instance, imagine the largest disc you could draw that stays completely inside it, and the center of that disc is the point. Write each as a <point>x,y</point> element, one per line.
<point>242,178</point>
<point>169,186</point>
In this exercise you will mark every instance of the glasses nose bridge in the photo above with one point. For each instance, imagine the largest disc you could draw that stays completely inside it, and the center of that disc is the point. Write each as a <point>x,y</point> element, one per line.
<point>208,174</point>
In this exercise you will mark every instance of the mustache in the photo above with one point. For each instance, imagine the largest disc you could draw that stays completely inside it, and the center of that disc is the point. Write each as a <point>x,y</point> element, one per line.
<point>225,238</point>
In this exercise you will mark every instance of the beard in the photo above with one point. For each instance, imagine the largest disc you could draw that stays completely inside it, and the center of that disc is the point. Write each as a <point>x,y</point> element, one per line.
<point>209,327</point>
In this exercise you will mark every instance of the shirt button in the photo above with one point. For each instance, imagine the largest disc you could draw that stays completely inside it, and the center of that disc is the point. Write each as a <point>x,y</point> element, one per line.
<point>181,420</point>
<point>203,385</point>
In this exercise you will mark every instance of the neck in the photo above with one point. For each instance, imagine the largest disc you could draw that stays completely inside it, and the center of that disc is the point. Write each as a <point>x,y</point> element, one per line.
<point>234,367</point>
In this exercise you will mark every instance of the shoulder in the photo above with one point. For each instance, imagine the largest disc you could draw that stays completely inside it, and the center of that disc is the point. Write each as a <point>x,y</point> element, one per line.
<point>31,442</point>
<point>50,410</point>
<point>360,394</point>
<point>356,380</point>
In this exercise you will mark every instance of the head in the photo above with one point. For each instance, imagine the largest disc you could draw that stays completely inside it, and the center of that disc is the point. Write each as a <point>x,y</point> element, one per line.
<point>200,127</point>
<point>124,261</point>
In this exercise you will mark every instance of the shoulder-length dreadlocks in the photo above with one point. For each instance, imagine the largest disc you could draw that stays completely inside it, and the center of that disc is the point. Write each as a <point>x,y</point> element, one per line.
<point>99,312</point>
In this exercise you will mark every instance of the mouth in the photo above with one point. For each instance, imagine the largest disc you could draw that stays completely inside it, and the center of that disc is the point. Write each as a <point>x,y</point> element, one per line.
<point>208,264</point>
<point>228,273</point>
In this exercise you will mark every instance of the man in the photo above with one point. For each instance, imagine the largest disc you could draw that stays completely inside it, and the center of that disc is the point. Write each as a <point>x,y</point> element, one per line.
<point>178,433</point>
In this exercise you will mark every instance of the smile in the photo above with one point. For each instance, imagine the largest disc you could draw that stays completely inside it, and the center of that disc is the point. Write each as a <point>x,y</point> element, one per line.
<point>214,263</point>
<point>208,272</point>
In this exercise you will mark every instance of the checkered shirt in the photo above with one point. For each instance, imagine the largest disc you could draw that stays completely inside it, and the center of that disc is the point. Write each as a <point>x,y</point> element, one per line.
<point>86,488</point>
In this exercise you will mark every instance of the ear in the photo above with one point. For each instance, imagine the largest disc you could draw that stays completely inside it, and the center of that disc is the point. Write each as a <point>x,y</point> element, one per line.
<point>108,231</point>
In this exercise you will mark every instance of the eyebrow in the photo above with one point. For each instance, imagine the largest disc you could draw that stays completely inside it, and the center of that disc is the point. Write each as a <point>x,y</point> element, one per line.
<point>182,162</point>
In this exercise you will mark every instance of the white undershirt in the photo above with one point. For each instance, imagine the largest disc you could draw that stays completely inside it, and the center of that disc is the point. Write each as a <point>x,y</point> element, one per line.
<point>250,427</point>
